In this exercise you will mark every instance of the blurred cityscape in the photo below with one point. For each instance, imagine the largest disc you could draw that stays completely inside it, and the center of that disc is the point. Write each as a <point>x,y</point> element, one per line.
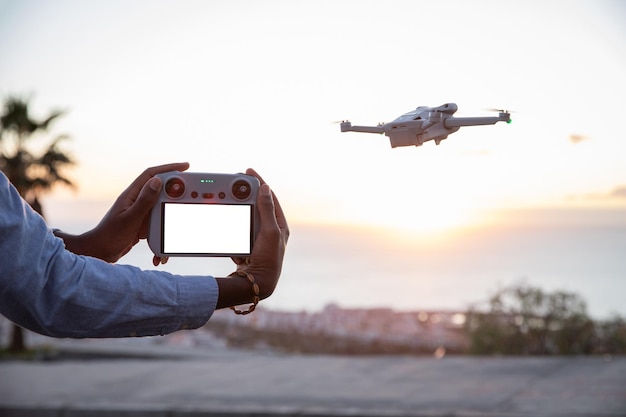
<point>335,330</point>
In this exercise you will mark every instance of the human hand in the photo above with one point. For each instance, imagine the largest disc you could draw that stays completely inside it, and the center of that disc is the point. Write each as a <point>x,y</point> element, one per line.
<point>126,222</point>
<point>265,262</point>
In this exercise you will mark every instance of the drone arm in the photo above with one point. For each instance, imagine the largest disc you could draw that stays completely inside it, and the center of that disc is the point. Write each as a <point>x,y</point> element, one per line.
<point>452,122</point>
<point>347,127</point>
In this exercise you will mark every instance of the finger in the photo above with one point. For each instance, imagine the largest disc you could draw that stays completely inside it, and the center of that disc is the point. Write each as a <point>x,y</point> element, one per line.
<point>253,173</point>
<point>143,229</point>
<point>268,238</point>
<point>159,169</point>
<point>281,219</point>
<point>280,215</point>
<point>136,186</point>
<point>145,200</point>
<point>156,261</point>
<point>265,203</point>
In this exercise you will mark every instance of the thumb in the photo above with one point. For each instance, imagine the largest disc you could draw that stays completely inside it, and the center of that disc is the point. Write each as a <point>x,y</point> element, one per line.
<point>266,208</point>
<point>268,238</point>
<point>147,197</point>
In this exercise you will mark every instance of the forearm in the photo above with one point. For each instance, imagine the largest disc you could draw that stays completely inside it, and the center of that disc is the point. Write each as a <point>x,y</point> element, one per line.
<point>91,244</point>
<point>234,290</point>
<point>90,298</point>
<point>78,244</point>
<point>50,290</point>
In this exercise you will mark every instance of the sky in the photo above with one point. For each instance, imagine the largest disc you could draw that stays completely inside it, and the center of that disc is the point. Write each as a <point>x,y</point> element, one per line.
<point>227,85</point>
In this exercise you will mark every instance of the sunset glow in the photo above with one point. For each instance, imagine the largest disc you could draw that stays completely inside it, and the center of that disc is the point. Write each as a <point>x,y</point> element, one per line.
<point>230,85</point>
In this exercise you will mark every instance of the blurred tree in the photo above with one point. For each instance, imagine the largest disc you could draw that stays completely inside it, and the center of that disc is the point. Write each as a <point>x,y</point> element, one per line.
<point>612,336</point>
<point>33,170</point>
<point>524,320</point>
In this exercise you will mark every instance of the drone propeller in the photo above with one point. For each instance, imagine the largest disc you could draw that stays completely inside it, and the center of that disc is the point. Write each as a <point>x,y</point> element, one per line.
<point>499,110</point>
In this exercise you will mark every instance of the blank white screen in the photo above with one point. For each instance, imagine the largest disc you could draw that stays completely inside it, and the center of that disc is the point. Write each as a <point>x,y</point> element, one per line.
<point>206,228</point>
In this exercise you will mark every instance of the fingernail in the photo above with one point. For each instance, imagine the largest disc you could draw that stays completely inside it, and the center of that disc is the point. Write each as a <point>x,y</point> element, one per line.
<point>154,184</point>
<point>265,189</point>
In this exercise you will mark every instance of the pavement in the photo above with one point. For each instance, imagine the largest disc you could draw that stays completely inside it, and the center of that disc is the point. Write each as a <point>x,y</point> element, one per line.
<point>140,381</point>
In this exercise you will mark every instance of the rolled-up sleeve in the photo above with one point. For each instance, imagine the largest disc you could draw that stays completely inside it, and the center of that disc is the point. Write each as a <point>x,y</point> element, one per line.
<point>49,290</point>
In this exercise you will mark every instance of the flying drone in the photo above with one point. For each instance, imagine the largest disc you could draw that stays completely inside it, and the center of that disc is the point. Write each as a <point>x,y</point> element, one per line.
<point>424,124</point>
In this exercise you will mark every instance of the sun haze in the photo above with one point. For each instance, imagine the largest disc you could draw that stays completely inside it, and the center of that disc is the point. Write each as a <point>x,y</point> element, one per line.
<point>227,85</point>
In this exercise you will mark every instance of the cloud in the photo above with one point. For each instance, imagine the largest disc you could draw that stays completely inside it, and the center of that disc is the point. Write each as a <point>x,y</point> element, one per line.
<point>577,138</point>
<point>619,192</point>
<point>616,195</point>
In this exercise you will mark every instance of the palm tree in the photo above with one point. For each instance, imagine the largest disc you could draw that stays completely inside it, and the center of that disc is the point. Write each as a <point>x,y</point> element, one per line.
<point>31,172</point>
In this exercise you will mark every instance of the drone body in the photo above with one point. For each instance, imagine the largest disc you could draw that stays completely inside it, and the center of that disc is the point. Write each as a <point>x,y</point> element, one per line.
<point>424,124</point>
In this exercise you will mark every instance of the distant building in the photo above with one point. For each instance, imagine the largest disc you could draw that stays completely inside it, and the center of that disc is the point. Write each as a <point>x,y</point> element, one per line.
<point>424,330</point>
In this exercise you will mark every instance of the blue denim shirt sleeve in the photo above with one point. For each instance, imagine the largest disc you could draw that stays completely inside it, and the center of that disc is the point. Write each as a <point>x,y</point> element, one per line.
<point>52,291</point>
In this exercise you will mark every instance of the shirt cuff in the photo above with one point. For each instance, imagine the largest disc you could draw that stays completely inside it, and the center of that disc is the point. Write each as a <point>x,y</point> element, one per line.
<point>197,297</point>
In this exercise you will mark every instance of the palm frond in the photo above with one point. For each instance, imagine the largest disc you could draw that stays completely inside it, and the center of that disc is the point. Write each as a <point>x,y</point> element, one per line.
<point>28,172</point>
